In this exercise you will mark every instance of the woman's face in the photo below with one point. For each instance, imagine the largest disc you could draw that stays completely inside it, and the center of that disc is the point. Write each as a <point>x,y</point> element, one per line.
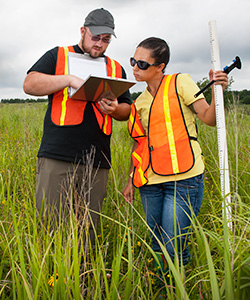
<point>142,54</point>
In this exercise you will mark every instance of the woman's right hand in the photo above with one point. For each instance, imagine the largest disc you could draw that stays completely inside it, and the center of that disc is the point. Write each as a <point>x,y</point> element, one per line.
<point>128,192</point>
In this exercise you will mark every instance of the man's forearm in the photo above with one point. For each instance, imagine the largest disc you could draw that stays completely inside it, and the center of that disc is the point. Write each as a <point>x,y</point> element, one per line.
<point>40,84</point>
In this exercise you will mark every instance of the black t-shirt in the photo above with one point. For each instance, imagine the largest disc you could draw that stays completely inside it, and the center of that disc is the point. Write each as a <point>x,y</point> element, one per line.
<point>72,143</point>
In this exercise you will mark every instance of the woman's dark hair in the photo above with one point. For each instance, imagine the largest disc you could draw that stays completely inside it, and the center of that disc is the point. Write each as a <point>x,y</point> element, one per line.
<point>159,49</point>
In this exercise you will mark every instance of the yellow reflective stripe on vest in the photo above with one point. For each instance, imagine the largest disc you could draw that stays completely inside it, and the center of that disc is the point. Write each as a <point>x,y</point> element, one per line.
<point>136,126</point>
<point>113,66</point>
<point>140,171</point>
<point>169,126</point>
<point>65,91</point>
<point>105,124</point>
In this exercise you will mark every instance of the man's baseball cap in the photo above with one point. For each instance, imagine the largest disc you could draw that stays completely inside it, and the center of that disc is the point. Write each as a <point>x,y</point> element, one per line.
<point>100,21</point>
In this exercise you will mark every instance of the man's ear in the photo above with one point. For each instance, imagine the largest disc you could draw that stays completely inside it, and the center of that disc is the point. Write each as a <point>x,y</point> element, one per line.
<point>82,30</point>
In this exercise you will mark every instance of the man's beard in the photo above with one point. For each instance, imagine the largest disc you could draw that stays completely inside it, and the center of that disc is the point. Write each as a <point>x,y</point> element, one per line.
<point>85,50</point>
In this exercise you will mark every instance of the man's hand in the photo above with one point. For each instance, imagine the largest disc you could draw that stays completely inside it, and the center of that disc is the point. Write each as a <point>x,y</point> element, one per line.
<point>75,82</point>
<point>108,103</point>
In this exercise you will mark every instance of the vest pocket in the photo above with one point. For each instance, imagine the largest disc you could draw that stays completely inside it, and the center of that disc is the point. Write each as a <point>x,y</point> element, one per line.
<point>67,111</point>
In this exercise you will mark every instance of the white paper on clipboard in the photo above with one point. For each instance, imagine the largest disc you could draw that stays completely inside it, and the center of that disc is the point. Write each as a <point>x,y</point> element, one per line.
<point>82,65</point>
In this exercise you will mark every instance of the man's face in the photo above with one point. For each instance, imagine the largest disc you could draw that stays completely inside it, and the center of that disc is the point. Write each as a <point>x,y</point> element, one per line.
<point>90,43</point>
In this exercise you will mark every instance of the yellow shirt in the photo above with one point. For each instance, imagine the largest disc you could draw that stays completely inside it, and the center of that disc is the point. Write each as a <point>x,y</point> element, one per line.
<point>186,89</point>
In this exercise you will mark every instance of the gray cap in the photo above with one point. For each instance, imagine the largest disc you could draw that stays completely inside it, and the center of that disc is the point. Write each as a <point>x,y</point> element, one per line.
<point>100,21</point>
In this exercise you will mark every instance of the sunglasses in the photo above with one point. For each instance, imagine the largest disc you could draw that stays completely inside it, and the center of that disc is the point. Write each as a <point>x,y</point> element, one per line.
<point>97,38</point>
<point>143,65</point>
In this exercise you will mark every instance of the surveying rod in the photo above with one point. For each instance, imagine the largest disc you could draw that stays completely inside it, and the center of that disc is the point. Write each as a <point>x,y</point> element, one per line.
<point>221,127</point>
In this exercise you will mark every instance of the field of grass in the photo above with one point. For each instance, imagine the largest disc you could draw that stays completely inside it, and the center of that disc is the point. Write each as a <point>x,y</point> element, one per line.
<point>51,263</point>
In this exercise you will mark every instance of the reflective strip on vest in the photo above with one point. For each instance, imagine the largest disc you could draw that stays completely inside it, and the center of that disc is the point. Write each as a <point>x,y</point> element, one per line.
<point>136,131</point>
<point>169,126</point>
<point>114,69</point>
<point>113,66</point>
<point>105,126</point>
<point>141,178</point>
<point>65,91</point>
<point>135,127</point>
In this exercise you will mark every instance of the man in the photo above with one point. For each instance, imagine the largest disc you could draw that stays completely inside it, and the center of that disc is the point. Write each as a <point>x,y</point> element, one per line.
<point>75,147</point>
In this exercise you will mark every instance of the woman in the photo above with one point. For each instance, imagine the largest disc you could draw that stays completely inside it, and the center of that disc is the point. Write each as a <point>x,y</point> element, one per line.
<point>167,164</point>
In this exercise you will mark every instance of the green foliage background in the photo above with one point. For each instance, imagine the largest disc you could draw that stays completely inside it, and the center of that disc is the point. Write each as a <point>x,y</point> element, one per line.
<point>120,266</point>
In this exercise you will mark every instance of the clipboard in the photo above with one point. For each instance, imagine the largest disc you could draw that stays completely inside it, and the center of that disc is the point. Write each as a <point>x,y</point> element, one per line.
<point>94,86</point>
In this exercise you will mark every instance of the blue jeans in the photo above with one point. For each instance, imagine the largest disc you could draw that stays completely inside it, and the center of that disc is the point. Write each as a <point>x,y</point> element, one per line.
<point>161,202</point>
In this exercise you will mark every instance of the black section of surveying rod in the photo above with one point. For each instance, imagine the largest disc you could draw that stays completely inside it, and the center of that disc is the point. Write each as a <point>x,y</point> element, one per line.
<point>236,64</point>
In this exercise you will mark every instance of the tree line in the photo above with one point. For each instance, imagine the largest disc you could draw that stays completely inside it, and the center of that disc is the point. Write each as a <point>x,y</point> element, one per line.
<point>243,97</point>
<point>18,100</point>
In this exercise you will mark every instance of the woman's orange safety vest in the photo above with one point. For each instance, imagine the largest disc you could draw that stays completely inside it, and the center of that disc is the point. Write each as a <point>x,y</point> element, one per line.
<point>66,111</point>
<point>167,148</point>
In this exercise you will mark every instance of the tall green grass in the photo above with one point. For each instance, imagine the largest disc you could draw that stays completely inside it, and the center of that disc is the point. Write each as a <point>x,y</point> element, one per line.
<point>120,266</point>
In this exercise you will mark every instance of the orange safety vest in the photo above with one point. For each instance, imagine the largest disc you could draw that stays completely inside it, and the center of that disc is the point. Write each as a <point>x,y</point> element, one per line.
<point>167,148</point>
<point>66,111</point>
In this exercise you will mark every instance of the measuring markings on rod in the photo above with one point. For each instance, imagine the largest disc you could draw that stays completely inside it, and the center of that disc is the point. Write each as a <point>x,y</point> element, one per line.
<point>220,121</point>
